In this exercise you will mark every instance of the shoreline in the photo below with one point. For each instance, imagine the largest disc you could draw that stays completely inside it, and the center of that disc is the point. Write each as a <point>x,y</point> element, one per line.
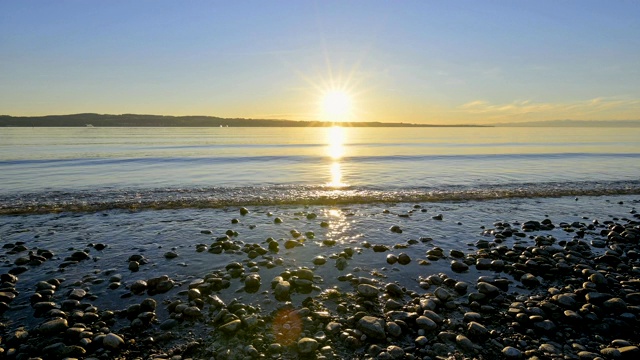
<point>429,280</point>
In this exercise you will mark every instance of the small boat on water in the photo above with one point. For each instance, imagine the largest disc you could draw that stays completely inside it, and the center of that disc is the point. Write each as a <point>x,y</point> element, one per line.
<point>89,125</point>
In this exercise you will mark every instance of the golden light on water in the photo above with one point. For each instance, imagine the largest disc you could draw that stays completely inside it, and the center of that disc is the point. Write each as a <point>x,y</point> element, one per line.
<point>335,142</point>
<point>336,175</point>
<point>336,150</point>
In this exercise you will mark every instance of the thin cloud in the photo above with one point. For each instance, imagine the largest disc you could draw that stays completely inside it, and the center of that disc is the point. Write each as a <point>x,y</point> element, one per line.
<point>596,108</point>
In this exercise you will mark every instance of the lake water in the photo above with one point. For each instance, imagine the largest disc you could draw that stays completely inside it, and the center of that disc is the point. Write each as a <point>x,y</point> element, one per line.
<point>98,168</point>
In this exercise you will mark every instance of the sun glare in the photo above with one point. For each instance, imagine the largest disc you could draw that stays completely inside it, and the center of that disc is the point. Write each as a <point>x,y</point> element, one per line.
<point>336,106</point>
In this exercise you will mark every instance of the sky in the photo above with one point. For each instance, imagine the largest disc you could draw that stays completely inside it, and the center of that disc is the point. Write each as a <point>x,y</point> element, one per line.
<point>436,62</point>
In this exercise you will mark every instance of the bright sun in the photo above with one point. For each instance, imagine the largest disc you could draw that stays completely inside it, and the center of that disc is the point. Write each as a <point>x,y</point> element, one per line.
<point>336,105</point>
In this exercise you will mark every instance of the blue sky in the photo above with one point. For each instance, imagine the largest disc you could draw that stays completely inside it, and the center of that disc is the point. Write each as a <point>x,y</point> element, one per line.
<point>399,61</point>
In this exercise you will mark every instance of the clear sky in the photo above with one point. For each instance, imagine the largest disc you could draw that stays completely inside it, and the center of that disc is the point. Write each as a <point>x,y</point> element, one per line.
<point>440,62</point>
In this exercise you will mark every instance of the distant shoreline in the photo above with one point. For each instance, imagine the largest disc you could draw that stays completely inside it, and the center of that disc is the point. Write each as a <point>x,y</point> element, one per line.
<point>133,120</point>
<point>136,120</point>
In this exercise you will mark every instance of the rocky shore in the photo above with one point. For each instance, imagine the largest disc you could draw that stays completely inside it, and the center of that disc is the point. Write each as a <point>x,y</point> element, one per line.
<point>522,289</point>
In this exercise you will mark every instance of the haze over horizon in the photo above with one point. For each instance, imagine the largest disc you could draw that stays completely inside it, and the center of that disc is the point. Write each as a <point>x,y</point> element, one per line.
<point>457,62</point>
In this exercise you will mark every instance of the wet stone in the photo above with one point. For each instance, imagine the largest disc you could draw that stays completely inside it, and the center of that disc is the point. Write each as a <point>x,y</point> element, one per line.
<point>511,353</point>
<point>53,327</point>
<point>231,327</point>
<point>112,341</point>
<point>544,326</point>
<point>77,294</point>
<point>367,290</point>
<point>307,345</point>
<point>425,323</point>
<point>395,352</point>
<point>459,266</point>
<point>394,289</point>
<point>529,280</point>
<point>442,294</point>
<point>394,329</point>
<point>488,289</point>
<point>615,305</point>
<point>319,260</point>
<point>404,259</point>
<point>372,327</point>
<point>477,331</point>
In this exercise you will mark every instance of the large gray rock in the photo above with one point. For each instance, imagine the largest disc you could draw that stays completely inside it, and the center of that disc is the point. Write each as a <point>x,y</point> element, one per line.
<point>424,322</point>
<point>307,345</point>
<point>54,327</point>
<point>367,290</point>
<point>372,326</point>
<point>112,341</point>
<point>488,289</point>
<point>282,290</point>
<point>511,353</point>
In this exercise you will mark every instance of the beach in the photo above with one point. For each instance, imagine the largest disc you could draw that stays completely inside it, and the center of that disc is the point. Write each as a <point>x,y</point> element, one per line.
<point>513,278</point>
<point>327,243</point>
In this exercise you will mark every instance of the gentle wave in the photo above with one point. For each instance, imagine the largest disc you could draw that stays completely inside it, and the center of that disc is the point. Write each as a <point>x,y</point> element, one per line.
<point>217,197</point>
<point>312,158</point>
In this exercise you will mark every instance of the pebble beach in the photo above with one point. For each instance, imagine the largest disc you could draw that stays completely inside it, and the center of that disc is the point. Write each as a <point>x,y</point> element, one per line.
<point>546,278</point>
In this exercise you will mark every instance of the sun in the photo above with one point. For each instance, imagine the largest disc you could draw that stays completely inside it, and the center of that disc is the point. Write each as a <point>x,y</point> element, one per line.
<point>336,106</point>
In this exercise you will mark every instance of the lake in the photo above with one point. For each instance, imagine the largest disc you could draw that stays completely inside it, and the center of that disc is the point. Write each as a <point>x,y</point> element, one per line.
<point>91,168</point>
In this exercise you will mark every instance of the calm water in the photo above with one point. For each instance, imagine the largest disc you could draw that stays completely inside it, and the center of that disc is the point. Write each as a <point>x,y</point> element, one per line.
<point>77,168</point>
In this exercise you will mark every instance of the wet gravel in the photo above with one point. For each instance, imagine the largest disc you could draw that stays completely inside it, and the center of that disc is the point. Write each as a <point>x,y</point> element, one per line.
<point>514,279</point>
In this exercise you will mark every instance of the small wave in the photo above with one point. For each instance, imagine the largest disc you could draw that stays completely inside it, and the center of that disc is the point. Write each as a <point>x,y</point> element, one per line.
<point>195,160</point>
<point>217,197</point>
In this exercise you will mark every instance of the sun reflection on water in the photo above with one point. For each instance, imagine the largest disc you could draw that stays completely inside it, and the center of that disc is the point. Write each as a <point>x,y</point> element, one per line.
<point>336,150</point>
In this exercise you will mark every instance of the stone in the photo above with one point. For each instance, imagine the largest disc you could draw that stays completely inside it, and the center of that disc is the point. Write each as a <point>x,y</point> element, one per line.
<point>394,289</point>
<point>403,259</point>
<point>488,289</point>
<point>112,341</point>
<point>511,353</point>
<point>282,290</point>
<point>425,323</point>
<point>395,352</point>
<point>529,280</point>
<point>461,287</point>
<point>459,266</point>
<point>372,327</point>
<point>307,345</point>
<point>566,300</point>
<point>611,353</point>
<point>231,327</point>
<point>138,287</point>
<point>148,304</point>
<point>545,325</point>
<point>433,316</point>
<point>477,331</point>
<point>368,291</point>
<point>6,296</point>
<point>134,266</point>
<point>442,294</point>
<point>192,312</point>
<point>394,329</point>
<point>614,305</point>
<point>53,327</point>
<point>464,343</point>
<point>629,352</point>
<point>252,282</point>
<point>77,294</point>
<point>170,255</point>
